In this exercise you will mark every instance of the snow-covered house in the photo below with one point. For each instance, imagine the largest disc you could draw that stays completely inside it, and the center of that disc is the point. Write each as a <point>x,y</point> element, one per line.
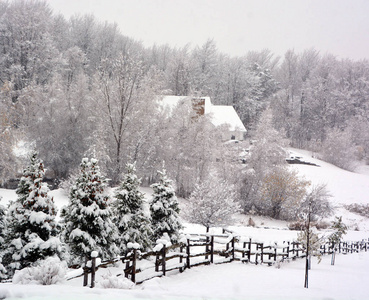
<point>220,115</point>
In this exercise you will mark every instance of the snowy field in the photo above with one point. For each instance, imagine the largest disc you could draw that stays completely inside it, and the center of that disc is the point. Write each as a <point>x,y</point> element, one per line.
<point>346,280</point>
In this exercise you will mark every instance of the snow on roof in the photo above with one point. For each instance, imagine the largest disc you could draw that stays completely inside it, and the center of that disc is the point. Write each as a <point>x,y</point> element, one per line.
<point>220,114</point>
<point>225,114</point>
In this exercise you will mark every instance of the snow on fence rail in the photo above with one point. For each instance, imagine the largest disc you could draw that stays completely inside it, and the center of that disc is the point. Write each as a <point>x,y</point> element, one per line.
<point>204,249</point>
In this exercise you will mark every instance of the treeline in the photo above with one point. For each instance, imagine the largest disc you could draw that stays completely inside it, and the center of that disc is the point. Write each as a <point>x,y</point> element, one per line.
<point>79,87</point>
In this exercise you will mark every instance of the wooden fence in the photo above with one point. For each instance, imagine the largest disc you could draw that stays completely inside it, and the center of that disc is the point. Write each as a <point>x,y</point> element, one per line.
<point>205,249</point>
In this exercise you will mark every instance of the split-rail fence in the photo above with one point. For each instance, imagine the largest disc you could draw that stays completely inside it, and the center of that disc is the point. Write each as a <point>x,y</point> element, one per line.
<point>204,249</point>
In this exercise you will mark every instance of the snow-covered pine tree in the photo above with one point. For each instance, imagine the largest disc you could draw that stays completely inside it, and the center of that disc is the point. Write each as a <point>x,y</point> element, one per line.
<point>130,216</point>
<point>87,218</point>
<point>32,229</point>
<point>2,240</point>
<point>164,209</point>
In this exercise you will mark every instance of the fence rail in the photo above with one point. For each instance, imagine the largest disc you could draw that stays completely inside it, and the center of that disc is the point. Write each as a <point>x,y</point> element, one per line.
<point>205,249</point>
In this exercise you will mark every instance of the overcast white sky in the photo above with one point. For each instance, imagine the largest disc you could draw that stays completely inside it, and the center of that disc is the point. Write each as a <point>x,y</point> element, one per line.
<point>340,27</point>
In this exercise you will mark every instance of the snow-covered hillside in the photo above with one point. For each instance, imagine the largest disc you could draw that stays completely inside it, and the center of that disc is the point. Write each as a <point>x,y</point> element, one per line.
<point>346,280</point>
<point>345,187</point>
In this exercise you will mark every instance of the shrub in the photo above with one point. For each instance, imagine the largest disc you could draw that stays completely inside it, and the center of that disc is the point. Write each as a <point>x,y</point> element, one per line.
<point>45,272</point>
<point>110,281</point>
<point>360,209</point>
<point>297,225</point>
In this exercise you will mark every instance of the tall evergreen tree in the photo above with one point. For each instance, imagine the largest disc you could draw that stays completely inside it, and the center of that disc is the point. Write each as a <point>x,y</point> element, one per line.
<point>164,209</point>
<point>32,228</point>
<point>87,218</point>
<point>130,217</point>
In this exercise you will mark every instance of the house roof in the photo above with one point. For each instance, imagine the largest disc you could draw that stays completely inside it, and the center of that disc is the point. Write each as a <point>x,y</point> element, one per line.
<point>226,114</point>
<point>219,114</point>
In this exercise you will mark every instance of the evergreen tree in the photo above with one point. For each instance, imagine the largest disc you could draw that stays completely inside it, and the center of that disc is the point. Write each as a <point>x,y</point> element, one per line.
<point>164,209</point>
<point>32,228</point>
<point>134,224</point>
<point>87,218</point>
<point>2,240</point>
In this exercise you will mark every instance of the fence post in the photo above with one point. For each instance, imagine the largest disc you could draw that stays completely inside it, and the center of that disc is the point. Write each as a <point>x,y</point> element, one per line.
<point>249,254</point>
<point>188,262</point>
<point>207,247</point>
<point>163,259</point>
<point>233,239</point>
<point>288,249</point>
<point>93,271</point>
<point>181,259</point>
<point>133,277</point>
<point>157,262</point>
<point>261,246</point>
<point>212,249</point>
<point>85,273</point>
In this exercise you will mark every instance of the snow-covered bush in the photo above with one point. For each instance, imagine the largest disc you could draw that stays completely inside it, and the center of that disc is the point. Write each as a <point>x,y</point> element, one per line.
<point>213,203</point>
<point>282,192</point>
<point>110,281</point>
<point>360,209</point>
<point>45,272</point>
<point>130,216</point>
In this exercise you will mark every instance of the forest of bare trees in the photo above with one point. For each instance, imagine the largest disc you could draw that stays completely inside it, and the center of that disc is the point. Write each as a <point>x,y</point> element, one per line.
<point>80,87</point>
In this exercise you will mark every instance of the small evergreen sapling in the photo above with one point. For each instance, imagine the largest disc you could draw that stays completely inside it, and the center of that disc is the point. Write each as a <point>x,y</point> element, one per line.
<point>340,229</point>
<point>87,218</point>
<point>164,209</point>
<point>32,229</point>
<point>130,216</point>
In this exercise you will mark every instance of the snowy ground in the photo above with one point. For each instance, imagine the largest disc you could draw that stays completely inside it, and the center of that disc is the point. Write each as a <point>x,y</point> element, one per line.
<point>346,280</point>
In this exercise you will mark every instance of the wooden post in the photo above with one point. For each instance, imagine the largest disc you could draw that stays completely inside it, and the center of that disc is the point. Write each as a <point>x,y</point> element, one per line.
<point>244,247</point>
<point>133,277</point>
<point>249,254</point>
<point>157,262</point>
<point>188,262</point>
<point>212,249</point>
<point>163,259</point>
<point>275,253</point>
<point>261,246</point>
<point>207,244</point>
<point>93,271</point>
<point>85,273</point>
<point>233,248</point>
<point>181,259</point>
<point>288,249</point>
